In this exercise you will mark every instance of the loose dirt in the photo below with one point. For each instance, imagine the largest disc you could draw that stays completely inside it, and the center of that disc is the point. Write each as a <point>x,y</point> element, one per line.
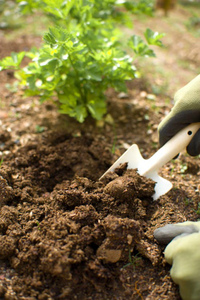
<point>64,234</point>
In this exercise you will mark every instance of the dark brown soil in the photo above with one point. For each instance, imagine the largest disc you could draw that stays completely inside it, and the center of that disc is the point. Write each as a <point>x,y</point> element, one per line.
<point>64,234</point>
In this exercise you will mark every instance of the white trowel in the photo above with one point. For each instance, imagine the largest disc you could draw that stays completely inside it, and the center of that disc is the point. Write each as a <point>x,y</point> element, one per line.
<point>150,167</point>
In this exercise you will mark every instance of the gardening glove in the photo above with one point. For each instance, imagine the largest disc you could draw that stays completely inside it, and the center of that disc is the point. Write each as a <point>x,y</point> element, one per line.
<point>186,110</point>
<point>183,253</point>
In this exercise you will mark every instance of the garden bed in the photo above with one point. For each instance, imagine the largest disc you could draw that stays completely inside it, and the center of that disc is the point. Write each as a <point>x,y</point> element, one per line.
<point>64,234</point>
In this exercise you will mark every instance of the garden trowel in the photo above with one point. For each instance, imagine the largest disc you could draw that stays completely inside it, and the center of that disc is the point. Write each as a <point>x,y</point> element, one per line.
<point>150,167</point>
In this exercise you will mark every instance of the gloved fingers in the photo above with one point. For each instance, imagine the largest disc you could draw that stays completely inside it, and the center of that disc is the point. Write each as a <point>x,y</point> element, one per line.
<point>184,256</point>
<point>193,148</point>
<point>166,234</point>
<point>187,245</point>
<point>175,122</point>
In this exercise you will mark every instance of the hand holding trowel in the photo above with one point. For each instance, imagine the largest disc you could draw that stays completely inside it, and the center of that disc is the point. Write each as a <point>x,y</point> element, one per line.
<point>175,135</point>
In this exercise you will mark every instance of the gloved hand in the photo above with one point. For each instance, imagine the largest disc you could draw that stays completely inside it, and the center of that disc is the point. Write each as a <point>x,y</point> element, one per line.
<point>186,110</point>
<point>183,252</point>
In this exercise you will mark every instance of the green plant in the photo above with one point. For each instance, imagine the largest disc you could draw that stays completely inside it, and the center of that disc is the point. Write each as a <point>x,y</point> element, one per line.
<point>1,161</point>
<point>39,129</point>
<point>114,144</point>
<point>82,55</point>
<point>198,209</point>
<point>187,201</point>
<point>183,168</point>
<point>133,260</point>
<point>38,224</point>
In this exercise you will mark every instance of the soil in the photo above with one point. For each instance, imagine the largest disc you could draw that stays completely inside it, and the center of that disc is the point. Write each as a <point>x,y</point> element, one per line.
<point>65,234</point>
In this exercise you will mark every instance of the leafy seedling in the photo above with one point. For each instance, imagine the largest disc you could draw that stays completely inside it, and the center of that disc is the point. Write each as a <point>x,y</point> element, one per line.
<point>74,67</point>
<point>133,261</point>
<point>39,129</point>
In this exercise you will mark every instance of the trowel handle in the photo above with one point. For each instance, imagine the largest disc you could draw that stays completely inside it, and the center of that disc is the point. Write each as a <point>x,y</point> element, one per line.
<point>175,145</point>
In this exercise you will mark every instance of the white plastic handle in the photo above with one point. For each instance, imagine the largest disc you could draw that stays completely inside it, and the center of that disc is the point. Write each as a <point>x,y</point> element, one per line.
<point>173,147</point>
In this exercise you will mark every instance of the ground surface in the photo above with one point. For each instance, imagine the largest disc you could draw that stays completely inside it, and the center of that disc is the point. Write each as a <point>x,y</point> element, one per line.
<point>63,233</point>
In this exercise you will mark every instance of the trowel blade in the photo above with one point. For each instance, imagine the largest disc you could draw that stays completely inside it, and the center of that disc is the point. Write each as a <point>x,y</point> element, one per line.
<point>162,185</point>
<point>134,160</point>
<point>132,157</point>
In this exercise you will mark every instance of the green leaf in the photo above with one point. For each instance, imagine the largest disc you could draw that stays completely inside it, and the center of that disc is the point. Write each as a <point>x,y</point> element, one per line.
<point>93,73</point>
<point>49,63</point>
<point>139,47</point>
<point>153,38</point>
<point>59,33</point>
<point>12,61</point>
<point>53,3</point>
<point>78,112</point>
<point>68,100</point>
<point>58,8</point>
<point>56,35</point>
<point>54,11</point>
<point>97,108</point>
<point>49,39</point>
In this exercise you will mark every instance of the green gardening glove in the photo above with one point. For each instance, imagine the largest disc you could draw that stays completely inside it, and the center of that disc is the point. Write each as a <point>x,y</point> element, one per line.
<point>183,253</point>
<point>186,110</point>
